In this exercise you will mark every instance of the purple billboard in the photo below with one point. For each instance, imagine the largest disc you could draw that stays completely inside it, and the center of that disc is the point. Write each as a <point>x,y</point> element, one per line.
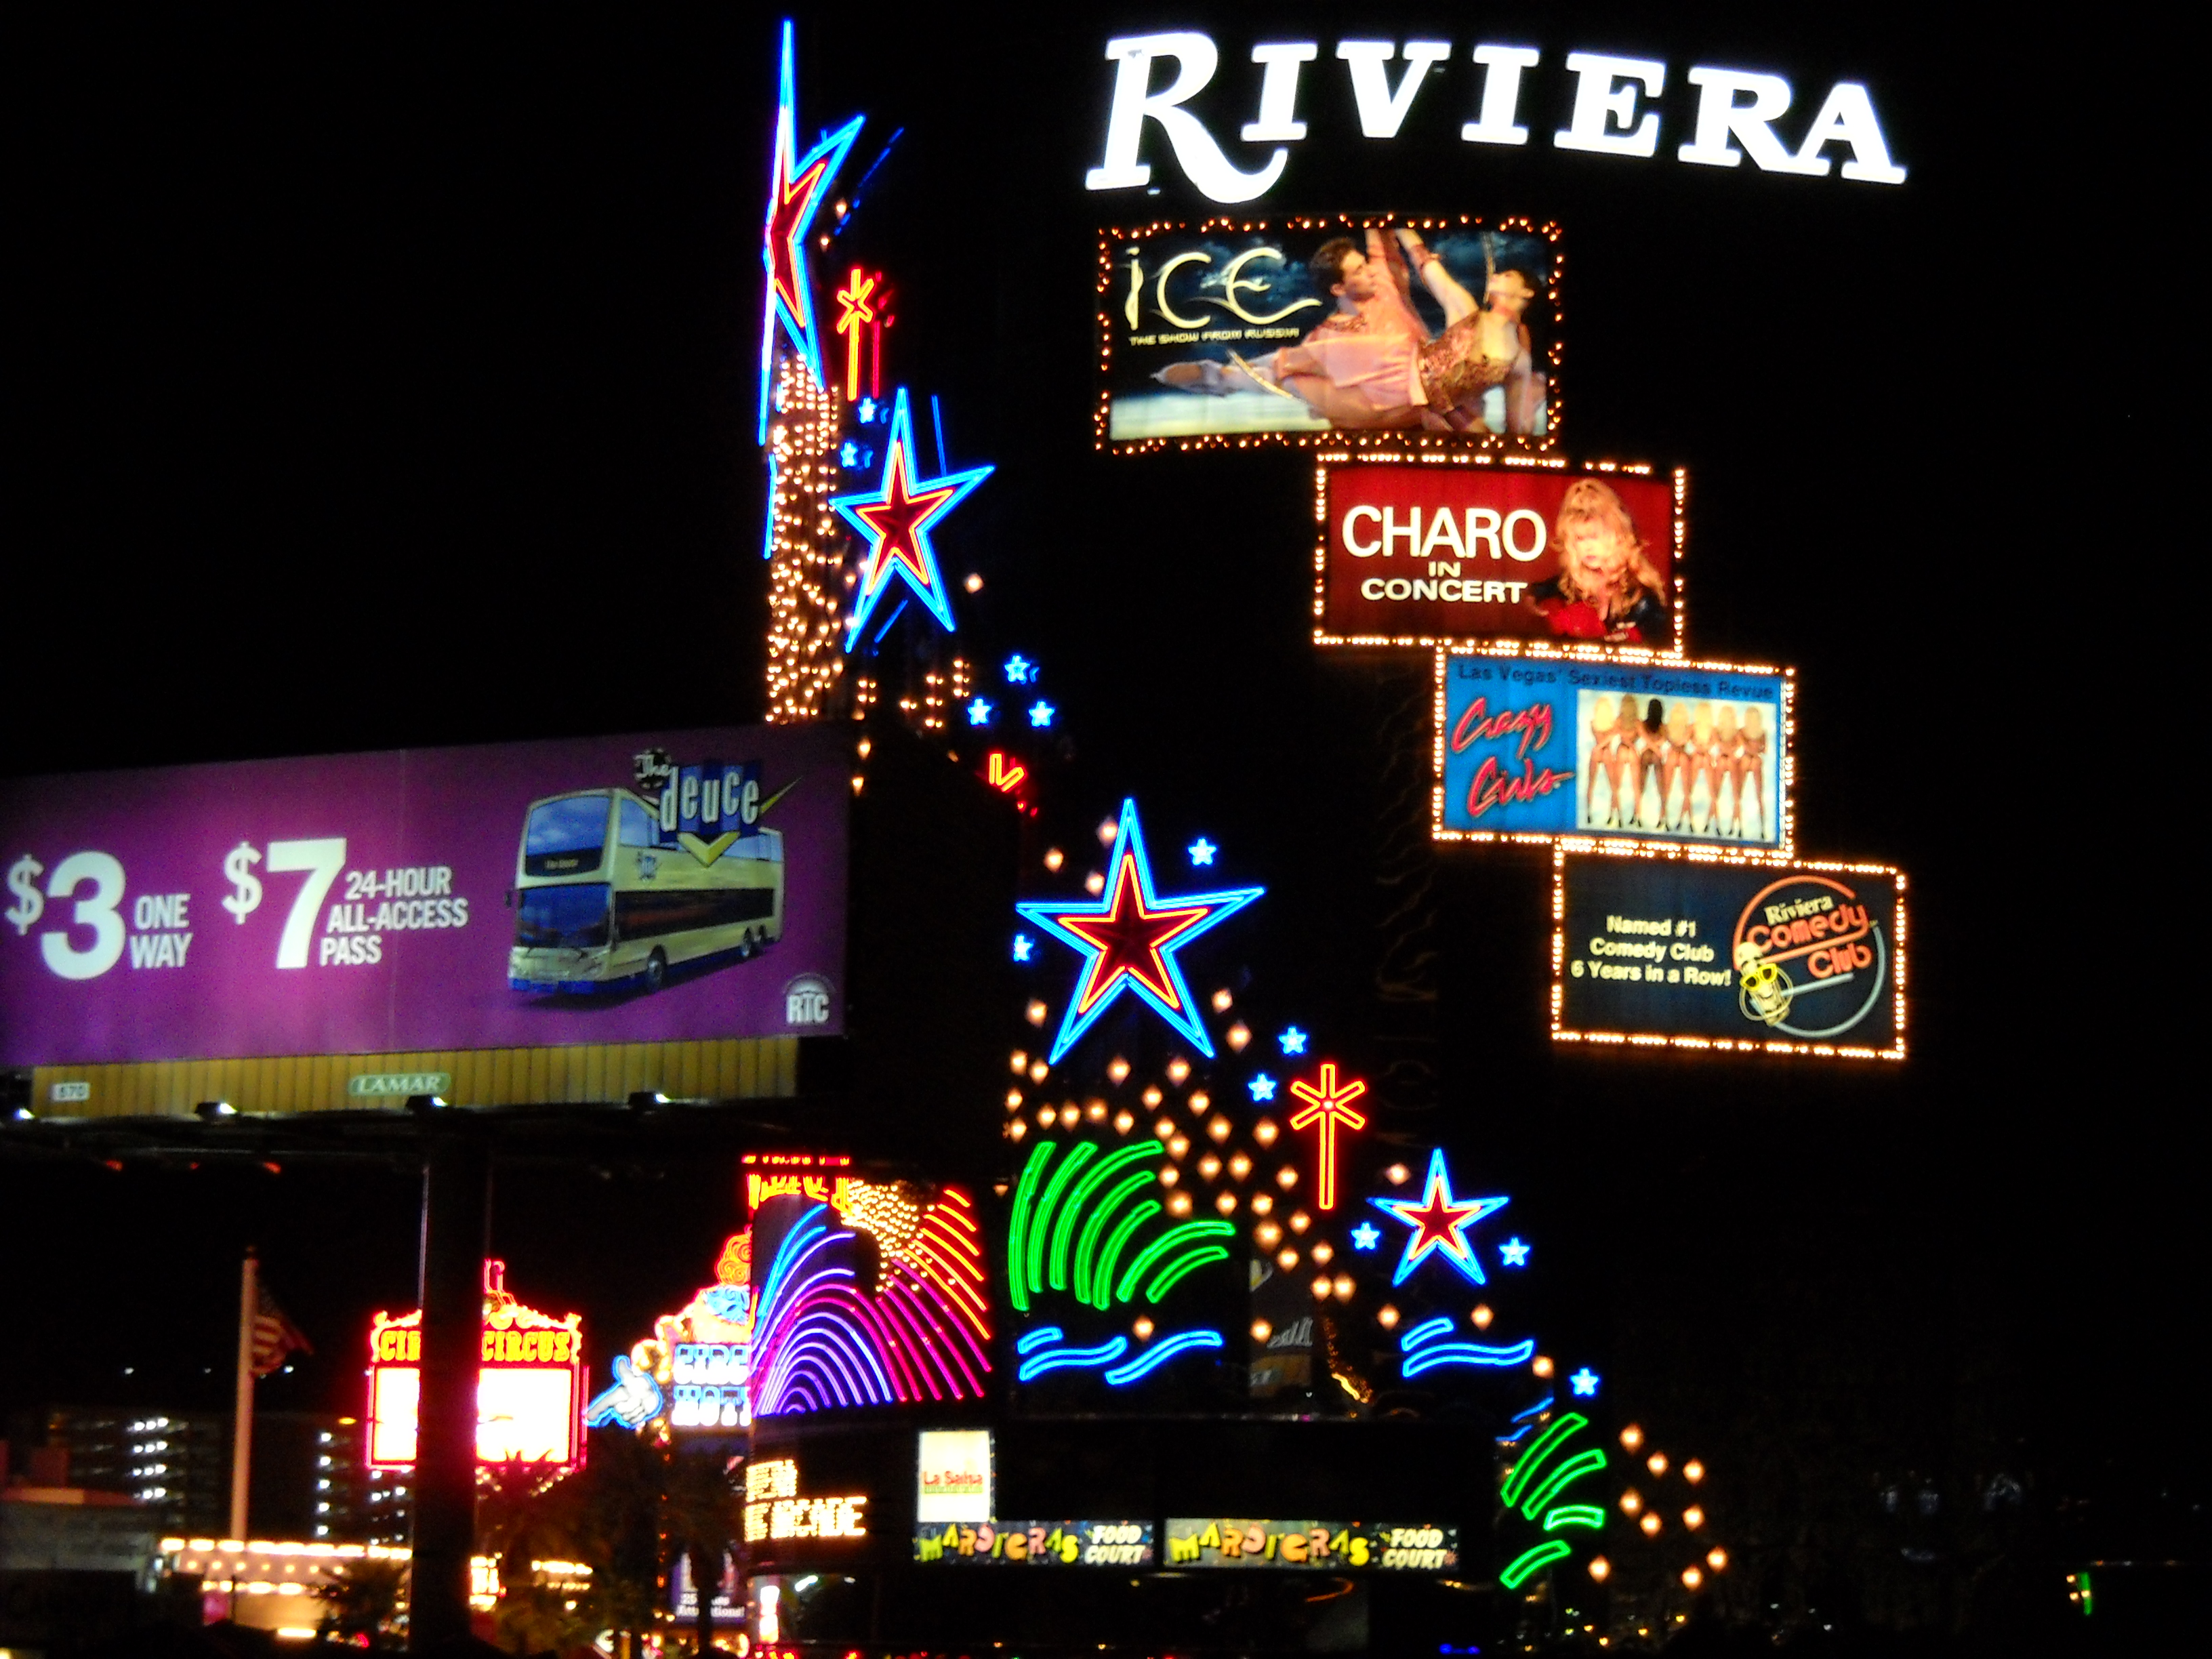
<point>668,886</point>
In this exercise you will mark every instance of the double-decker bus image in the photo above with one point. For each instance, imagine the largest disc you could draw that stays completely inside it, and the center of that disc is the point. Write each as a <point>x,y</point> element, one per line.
<point>606,899</point>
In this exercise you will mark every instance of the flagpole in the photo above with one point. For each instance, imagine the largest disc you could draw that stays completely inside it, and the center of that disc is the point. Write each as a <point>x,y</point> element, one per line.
<point>241,1433</point>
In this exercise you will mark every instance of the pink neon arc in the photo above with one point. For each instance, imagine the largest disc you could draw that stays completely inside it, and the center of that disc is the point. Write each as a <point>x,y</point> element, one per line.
<point>824,1341</point>
<point>1331,1106</point>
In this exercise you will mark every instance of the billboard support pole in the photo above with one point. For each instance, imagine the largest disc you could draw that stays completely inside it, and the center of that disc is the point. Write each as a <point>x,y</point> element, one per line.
<point>241,1427</point>
<point>456,1209</point>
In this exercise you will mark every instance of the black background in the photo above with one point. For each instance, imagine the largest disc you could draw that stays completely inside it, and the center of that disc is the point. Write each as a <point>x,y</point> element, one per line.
<point>364,369</point>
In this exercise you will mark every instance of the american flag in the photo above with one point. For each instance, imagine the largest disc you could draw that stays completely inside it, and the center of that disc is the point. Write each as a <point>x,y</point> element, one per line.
<point>275,1335</point>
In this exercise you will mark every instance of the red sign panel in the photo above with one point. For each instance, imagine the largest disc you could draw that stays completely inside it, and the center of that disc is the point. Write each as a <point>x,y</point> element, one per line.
<point>1425,552</point>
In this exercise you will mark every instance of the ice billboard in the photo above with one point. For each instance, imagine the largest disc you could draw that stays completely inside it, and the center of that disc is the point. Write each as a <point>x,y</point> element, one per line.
<point>657,887</point>
<point>1316,330</point>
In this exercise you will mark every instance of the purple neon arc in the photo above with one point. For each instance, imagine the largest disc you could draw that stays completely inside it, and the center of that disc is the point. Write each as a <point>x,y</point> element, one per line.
<point>823,1342</point>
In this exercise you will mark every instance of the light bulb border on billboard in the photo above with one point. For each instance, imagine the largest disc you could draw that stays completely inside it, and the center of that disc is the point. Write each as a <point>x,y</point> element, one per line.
<point>1115,240</point>
<point>1783,760</point>
<point>1893,960</point>
<point>1508,645</point>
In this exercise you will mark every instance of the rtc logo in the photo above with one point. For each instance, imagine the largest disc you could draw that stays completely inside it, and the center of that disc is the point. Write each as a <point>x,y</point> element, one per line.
<point>807,1000</point>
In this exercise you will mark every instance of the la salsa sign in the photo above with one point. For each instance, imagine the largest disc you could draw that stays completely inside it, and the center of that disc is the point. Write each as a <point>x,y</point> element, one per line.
<point>1614,106</point>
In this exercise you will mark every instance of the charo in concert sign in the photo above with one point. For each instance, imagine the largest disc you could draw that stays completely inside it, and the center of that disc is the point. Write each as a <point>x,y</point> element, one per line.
<point>1423,553</point>
<point>669,887</point>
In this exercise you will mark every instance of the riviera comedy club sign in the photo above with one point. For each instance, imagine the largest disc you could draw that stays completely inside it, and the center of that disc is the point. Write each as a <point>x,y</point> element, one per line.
<point>1611,106</point>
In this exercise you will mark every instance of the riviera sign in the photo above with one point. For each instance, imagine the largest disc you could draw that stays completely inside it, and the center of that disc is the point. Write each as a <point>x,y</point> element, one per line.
<point>1614,110</point>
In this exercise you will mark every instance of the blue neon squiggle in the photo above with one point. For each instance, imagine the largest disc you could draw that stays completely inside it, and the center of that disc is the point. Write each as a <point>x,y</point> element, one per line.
<point>1160,1352</point>
<point>1426,1332</point>
<point>1543,1405</point>
<point>1104,1354</point>
<point>1466,1353</point>
<point>1037,1338</point>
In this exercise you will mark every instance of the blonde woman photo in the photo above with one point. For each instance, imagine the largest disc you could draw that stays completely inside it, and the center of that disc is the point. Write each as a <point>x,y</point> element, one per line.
<point>1607,588</point>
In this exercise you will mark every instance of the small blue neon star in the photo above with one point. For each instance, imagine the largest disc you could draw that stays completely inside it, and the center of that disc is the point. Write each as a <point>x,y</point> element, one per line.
<point>867,411</point>
<point>848,454</point>
<point>979,711</point>
<point>1366,1235</point>
<point>1202,851</point>
<point>1293,1040</point>
<point>1041,713</point>
<point>1020,671</point>
<point>1263,1087</point>
<point>1024,945</point>
<point>1513,1253</point>
<point>1585,1382</point>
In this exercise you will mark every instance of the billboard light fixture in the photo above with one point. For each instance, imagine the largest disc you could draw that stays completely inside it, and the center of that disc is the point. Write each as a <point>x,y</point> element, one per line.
<point>210,1110</point>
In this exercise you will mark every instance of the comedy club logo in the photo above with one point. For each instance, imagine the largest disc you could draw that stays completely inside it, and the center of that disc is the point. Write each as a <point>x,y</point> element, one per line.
<point>1810,957</point>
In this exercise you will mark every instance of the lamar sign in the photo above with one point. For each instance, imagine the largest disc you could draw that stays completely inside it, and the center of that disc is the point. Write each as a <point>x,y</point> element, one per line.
<point>1614,108</point>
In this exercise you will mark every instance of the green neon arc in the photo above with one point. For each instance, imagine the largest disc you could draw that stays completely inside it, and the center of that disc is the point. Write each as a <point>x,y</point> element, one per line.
<point>1574,1515</point>
<point>1543,1446</point>
<point>1180,1268</point>
<point>1102,1286</point>
<point>1584,1462</point>
<point>1086,1246</point>
<point>1078,1155</point>
<point>1018,1223</point>
<point>1173,1239</point>
<point>1517,1571</point>
<point>1081,1194</point>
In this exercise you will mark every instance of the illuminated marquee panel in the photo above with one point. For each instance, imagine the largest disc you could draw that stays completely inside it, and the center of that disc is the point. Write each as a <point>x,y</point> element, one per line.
<point>1688,949</point>
<point>529,1388</point>
<point>1218,335</point>
<point>1038,1543</point>
<point>1542,745</point>
<point>1428,548</point>
<point>1313,1546</point>
<point>774,1511</point>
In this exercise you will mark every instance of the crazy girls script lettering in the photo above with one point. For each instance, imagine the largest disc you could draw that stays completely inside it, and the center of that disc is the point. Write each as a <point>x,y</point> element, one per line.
<point>1494,785</point>
<point>1610,105</point>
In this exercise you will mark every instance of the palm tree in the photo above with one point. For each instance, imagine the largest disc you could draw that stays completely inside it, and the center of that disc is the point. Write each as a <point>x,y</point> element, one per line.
<point>702,1518</point>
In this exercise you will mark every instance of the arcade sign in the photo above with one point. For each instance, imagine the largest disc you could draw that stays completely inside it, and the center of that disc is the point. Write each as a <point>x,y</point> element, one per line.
<point>529,1388</point>
<point>1611,106</point>
<point>775,1511</point>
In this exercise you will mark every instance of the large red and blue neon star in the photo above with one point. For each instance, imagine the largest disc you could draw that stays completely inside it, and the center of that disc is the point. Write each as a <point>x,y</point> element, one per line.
<point>895,516</point>
<point>795,189</point>
<point>1439,1221</point>
<point>1129,938</point>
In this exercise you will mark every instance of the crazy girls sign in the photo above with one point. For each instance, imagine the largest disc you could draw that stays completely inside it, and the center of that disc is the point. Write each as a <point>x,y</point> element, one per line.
<point>1231,134</point>
<point>1532,747</point>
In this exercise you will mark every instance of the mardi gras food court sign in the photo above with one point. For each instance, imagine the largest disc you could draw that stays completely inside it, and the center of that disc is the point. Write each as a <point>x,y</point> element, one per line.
<point>1230,134</point>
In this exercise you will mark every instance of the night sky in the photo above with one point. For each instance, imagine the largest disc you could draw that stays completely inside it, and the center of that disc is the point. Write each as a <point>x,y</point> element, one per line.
<point>369,379</point>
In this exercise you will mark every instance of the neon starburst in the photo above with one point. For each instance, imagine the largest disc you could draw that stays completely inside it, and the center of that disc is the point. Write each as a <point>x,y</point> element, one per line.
<point>795,189</point>
<point>894,517</point>
<point>1439,1221</point>
<point>1130,938</point>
